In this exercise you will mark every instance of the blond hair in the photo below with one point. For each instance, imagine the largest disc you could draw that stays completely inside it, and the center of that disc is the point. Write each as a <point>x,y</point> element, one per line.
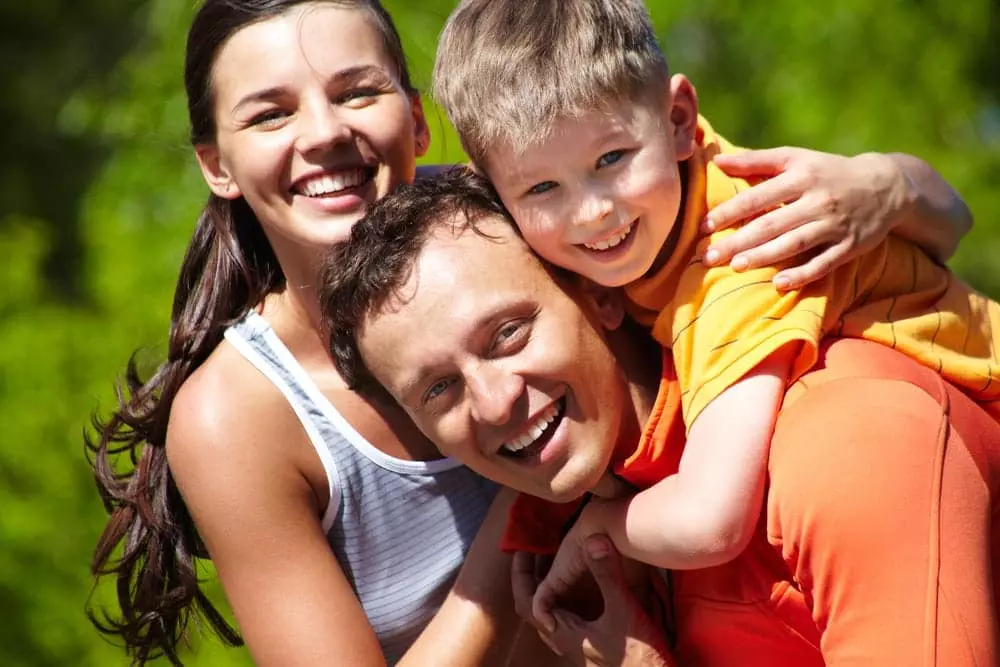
<point>506,70</point>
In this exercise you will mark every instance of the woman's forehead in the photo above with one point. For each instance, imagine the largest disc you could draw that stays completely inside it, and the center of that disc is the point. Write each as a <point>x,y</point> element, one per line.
<point>309,40</point>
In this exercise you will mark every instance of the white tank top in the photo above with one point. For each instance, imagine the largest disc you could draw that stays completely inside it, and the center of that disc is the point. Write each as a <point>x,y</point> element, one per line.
<point>399,529</point>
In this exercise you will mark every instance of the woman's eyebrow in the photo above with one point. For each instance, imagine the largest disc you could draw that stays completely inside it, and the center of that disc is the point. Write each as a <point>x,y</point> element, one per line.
<point>340,77</point>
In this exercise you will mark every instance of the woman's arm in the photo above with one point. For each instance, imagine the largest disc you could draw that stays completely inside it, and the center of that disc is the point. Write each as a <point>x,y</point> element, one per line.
<point>260,519</point>
<point>825,209</point>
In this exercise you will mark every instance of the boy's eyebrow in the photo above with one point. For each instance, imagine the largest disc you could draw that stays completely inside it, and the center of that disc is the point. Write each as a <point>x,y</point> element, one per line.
<point>344,75</point>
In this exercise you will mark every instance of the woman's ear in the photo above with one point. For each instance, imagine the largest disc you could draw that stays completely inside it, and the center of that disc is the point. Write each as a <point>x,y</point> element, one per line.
<point>220,182</point>
<point>606,303</point>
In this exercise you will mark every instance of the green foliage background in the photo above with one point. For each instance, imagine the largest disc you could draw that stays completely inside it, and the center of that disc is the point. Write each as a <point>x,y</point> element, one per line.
<point>99,193</point>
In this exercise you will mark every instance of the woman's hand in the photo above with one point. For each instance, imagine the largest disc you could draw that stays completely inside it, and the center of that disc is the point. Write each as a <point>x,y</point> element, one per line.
<point>622,635</point>
<point>829,209</point>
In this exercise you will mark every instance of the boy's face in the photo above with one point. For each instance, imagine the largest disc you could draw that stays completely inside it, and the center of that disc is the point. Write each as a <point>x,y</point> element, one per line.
<point>502,367</point>
<point>600,196</point>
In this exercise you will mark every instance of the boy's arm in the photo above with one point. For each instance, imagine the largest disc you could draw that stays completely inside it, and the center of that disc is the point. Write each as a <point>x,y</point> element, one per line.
<point>831,208</point>
<point>705,514</point>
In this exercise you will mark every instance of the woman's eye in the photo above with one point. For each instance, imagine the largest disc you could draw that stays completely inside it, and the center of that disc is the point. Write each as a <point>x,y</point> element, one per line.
<point>610,158</point>
<point>268,118</point>
<point>357,94</point>
<point>542,188</point>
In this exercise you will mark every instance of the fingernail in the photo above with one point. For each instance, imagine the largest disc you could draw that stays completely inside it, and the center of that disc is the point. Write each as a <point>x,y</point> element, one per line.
<point>782,282</point>
<point>549,624</point>
<point>740,263</point>
<point>712,256</point>
<point>708,225</point>
<point>598,549</point>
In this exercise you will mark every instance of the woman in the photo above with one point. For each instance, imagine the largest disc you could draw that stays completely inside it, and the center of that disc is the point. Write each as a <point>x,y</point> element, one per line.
<point>335,527</point>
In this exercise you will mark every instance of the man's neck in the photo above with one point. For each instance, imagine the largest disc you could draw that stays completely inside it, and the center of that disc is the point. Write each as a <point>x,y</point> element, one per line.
<point>641,360</point>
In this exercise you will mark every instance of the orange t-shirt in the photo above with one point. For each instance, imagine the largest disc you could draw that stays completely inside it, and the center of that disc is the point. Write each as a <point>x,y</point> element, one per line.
<point>721,324</point>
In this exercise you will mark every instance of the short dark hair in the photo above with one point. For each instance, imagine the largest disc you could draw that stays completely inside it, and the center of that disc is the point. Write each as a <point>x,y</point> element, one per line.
<point>361,275</point>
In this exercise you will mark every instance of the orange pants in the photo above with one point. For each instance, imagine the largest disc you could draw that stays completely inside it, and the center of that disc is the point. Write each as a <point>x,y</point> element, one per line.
<point>880,534</point>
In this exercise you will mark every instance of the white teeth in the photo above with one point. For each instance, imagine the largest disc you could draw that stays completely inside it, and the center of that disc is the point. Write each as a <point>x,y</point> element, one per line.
<point>535,430</point>
<point>328,184</point>
<point>613,241</point>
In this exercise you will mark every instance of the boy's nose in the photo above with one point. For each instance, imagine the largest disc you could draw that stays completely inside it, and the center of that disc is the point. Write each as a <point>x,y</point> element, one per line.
<point>593,210</point>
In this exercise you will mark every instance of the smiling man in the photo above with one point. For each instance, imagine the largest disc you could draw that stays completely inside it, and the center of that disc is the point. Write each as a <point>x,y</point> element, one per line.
<point>877,541</point>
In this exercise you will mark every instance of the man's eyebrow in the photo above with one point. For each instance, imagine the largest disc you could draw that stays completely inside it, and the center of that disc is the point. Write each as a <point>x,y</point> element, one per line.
<point>344,75</point>
<point>485,321</point>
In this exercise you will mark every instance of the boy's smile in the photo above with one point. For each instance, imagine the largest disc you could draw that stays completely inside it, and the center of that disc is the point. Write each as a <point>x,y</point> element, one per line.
<point>600,195</point>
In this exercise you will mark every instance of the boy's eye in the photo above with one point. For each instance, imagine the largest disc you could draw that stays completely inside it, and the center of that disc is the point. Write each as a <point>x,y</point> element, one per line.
<point>610,158</point>
<point>542,187</point>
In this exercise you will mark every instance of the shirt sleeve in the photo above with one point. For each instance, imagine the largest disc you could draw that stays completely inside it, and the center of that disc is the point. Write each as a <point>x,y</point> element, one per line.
<point>722,324</point>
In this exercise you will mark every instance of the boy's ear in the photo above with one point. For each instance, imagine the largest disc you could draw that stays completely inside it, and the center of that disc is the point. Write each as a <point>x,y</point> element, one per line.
<point>606,303</point>
<point>683,115</point>
<point>220,182</point>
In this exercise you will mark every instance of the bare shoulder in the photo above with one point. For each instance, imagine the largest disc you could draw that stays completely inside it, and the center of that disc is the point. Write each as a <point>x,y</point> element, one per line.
<point>231,422</point>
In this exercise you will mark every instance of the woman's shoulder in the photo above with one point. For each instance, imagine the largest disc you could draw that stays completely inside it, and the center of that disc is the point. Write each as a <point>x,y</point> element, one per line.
<point>226,411</point>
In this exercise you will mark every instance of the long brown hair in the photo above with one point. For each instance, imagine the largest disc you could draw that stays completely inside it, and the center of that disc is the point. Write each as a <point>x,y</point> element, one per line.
<point>229,267</point>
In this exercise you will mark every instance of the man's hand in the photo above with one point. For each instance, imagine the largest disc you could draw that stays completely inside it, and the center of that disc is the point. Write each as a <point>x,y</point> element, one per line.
<point>622,635</point>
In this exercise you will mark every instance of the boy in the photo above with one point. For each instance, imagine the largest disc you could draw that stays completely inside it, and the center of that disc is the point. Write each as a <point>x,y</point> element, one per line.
<point>601,158</point>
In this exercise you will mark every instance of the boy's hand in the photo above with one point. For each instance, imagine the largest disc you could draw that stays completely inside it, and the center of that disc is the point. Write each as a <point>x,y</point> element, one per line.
<point>832,207</point>
<point>623,634</point>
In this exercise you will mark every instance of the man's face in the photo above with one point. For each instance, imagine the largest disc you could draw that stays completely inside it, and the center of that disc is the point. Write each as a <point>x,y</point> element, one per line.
<point>501,366</point>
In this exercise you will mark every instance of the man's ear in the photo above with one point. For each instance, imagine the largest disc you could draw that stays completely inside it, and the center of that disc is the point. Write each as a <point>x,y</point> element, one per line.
<point>421,130</point>
<point>215,172</point>
<point>682,113</point>
<point>607,303</point>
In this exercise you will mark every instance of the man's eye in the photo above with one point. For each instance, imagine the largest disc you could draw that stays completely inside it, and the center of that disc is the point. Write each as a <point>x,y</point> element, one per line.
<point>542,188</point>
<point>509,337</point>
<point>610,158</point>
<point>436,390</point>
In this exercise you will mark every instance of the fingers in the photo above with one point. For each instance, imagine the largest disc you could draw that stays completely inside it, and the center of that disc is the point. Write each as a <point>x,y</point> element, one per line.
<point>523,582</point>
<point>755,201</point>
<point>761,163</point>
<point>815,269</point>
<point>605,565</point>
<point>754,234</point>
<point>542,605</point>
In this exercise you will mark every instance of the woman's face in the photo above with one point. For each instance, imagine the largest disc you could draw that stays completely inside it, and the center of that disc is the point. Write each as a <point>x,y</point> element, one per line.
<point>313,125</point>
